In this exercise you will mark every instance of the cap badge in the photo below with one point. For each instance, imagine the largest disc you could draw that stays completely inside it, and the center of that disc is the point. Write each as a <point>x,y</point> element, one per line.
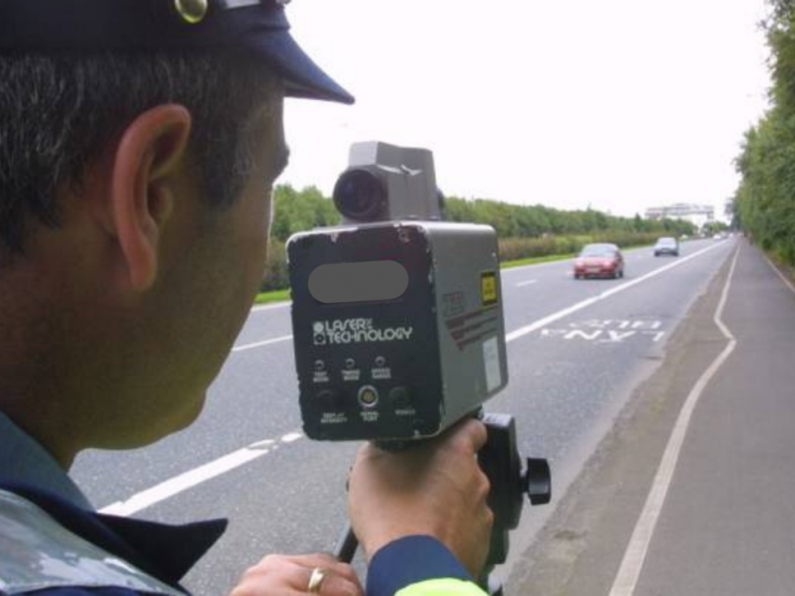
<point>191,11</point>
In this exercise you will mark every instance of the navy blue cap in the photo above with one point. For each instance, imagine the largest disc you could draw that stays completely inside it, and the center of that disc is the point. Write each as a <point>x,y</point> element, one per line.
<point>256,26</point>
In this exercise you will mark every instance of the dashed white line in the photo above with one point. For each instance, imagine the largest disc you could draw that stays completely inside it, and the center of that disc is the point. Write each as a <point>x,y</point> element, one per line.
<point>628,574</point>
<point>260,344</point>
<point>529,282</point>
<point>183,482</point>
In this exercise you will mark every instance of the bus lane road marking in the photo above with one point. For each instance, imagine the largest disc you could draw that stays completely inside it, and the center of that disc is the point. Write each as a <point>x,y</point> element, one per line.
<point>608,331</point>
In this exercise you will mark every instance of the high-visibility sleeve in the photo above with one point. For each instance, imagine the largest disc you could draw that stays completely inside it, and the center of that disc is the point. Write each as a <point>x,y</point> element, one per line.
<point>442,587</point>
<point>418,566</point>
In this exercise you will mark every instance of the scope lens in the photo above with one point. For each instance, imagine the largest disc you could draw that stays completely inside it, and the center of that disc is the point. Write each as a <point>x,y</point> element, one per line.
<point>359,195</point>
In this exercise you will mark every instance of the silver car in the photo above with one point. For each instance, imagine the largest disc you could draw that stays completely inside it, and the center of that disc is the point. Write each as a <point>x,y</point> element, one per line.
<point>666,246</point>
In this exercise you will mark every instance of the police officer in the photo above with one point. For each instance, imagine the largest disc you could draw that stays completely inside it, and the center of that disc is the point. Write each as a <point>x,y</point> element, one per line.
<point>139,141</point>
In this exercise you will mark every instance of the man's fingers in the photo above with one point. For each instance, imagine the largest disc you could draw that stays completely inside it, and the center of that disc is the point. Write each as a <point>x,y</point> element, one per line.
<point>473,432</point>
<point>331,584</point>
<point>282,575</point>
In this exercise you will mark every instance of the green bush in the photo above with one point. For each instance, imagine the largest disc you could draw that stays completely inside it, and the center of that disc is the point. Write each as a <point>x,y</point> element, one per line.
<point>276,275</point>
<point>513,249</point>
<point>764,204</point>
<point>525,231</point>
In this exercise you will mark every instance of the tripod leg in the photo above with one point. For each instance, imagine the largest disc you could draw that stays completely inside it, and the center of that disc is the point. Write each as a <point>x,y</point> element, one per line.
<point>346,546</point>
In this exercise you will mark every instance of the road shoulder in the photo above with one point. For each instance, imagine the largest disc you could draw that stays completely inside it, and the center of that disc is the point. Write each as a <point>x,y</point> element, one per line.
<point>580,549</point>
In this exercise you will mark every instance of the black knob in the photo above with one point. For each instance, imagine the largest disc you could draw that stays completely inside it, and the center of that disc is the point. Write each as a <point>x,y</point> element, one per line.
<point>400,398</point>
<point>538,481</point>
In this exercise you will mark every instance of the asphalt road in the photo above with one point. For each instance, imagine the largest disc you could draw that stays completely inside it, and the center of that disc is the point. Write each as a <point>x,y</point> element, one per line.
<point>691,491</point>
<point>576,349</point>
<point>728,523</point>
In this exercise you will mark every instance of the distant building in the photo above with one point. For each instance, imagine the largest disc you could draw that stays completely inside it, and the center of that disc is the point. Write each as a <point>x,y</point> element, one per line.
<point>698,215</point>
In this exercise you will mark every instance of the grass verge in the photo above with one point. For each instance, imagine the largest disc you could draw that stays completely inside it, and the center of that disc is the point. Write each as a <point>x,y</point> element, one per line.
<point>274,296</point>
<point>535,260</point>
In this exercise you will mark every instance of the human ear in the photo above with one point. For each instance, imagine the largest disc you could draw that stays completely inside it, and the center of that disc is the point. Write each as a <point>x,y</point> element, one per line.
<point>149,156</point>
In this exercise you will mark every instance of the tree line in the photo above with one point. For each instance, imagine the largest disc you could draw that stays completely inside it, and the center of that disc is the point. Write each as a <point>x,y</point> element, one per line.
<point>764,204</point>
<point>524,231</point>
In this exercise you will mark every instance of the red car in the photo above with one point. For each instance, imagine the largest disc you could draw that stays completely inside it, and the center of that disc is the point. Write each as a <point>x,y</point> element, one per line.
<point>599,260</point>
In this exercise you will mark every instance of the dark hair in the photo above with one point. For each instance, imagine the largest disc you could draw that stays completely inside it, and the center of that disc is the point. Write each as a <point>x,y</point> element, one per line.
<point>59,112</point>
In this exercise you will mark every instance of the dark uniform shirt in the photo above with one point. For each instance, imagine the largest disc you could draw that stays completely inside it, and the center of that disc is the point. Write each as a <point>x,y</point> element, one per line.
<point>51,539</point>
<point>52,542</point>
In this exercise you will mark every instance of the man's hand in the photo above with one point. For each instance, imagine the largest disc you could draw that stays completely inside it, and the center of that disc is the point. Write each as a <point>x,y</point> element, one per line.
<point>282,575</point>
<point>435,489</point>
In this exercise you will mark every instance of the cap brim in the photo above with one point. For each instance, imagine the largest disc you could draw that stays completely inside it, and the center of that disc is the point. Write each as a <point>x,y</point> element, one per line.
<point>302,77</point>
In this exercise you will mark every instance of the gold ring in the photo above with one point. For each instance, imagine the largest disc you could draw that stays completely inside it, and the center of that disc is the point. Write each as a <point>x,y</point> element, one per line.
<point>316,580</point>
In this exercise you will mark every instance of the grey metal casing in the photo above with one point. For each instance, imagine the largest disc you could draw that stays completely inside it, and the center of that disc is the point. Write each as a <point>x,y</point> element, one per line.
<point>456,359</point>
<point>471,335</point>
<point>408,175</point>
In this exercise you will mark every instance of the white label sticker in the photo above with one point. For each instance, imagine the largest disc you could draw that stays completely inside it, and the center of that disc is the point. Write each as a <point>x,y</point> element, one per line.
<point>381,374</point>
<point>491,358</point>
<point>351,375</point>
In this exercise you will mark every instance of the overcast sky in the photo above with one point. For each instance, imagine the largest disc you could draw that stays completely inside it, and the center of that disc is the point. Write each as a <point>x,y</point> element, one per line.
<point>616,104</point>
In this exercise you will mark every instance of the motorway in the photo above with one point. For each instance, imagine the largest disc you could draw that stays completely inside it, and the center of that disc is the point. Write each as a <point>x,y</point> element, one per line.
<point>577,350</point>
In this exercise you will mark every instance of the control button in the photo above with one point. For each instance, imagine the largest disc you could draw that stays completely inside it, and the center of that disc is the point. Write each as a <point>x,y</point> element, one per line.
<point>350,363</point>
<point>320,366</point>
<point>380,362</point>
<point>368,396</point>
<point>400,398</point>
<point>328,399</point>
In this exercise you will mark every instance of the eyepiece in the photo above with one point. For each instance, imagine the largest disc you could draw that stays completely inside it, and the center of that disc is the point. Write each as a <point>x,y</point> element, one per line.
<point>360,195</point>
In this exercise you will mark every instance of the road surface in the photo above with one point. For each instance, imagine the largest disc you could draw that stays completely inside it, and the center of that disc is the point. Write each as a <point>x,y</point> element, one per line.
<point>691,492</point>
<point>577,350</point>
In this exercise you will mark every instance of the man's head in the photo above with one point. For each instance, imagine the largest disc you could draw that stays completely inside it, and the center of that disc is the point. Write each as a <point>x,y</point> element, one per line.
<point>134,206</point>
<point>59,113</point>
<point>80,69</point>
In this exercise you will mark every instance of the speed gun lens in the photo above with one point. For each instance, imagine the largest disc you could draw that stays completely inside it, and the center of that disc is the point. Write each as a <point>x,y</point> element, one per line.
<point>360,195</point>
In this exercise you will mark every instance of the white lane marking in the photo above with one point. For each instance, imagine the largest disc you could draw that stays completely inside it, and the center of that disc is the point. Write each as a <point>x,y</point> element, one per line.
<point>628,574</point>
<point>521,332</point>
<point>633,252</point>
<point>529,282</point>
<point>271,306</point>
<point>260,344</point>
<point>781,275</point>
<point>188,480</point>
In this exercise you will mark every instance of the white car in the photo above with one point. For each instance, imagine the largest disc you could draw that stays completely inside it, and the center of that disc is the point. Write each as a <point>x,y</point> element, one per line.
<point>666,246</point>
